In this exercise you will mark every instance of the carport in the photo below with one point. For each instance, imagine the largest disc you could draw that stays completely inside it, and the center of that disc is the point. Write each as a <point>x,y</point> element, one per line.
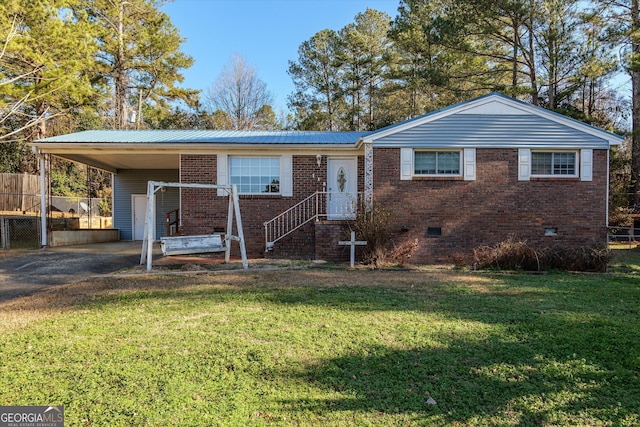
<point>132,158</point>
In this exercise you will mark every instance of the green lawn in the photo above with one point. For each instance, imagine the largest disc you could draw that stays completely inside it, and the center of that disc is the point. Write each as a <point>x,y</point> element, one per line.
<point>329,346</point>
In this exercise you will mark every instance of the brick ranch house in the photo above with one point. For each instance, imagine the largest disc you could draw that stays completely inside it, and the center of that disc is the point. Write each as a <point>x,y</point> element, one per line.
<point>467,175</point>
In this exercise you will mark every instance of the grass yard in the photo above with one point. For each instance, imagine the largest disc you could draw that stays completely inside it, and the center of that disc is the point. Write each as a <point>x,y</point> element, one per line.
<point>331,347</point>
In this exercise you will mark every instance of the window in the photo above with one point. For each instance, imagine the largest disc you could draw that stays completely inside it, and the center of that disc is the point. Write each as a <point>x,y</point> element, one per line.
<point>437,163</point>
<point>426,163</point>
<point>553,163</point>
<point>255,175</point>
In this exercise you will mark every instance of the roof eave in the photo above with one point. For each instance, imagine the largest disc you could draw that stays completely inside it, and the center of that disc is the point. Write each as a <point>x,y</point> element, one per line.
<point>60,147</point>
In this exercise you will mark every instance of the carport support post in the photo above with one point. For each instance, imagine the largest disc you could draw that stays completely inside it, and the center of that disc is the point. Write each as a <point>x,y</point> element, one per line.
<point>43,200</point>
<point>150,221</point>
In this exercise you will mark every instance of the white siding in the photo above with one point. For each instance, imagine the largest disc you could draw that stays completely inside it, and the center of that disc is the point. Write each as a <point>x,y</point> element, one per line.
<point>491,131</point>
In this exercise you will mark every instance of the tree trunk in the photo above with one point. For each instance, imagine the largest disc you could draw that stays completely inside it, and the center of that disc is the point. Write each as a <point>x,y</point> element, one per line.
<point>635,96</point>
<point>41,110</point>
<point>514,71</point>
<point>120,75</point>
<point>533,77</point>
<point>372,100</point>
<point>41,127</point>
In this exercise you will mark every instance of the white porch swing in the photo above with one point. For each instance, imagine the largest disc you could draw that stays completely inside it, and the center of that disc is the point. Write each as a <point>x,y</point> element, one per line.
<point>192,244</point>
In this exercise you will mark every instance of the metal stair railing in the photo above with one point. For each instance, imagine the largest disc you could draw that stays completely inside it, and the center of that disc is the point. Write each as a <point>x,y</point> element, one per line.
<point>292,219</point>
<point>312,208</point>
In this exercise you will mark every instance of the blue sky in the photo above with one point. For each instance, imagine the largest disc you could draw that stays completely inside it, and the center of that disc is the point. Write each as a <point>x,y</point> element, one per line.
<point>266,32</point>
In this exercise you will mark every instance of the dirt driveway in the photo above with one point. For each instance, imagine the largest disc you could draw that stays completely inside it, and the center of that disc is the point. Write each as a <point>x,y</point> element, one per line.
<point>31,271</point>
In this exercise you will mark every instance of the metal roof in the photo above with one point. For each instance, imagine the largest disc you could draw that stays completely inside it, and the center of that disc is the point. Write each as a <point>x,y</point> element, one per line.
<point>207,137</point>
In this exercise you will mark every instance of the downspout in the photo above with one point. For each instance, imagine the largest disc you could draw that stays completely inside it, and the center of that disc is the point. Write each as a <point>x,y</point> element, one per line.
<point>607,206</point>
<point>113,202</point>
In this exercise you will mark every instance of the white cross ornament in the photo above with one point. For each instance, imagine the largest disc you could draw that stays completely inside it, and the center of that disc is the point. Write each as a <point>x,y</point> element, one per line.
<point>353,243</point>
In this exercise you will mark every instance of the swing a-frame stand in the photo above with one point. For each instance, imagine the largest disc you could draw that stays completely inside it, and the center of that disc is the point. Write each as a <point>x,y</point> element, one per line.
<point>149,223</point>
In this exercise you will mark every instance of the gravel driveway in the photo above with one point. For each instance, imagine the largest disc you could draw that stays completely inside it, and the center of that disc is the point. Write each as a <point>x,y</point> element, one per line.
<point>32,271</point>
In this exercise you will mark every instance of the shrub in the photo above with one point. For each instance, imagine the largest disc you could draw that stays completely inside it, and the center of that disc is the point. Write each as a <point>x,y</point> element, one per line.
<point>510,254</point>
<point>373,227</point>
<point>513,254</point>
<point>592,258</point>
<point>401,253</point>
<point>459,260</point>
<point>620,218</point>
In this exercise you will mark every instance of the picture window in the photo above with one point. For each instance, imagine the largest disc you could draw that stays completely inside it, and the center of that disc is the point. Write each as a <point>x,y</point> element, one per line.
<point>255,175</point>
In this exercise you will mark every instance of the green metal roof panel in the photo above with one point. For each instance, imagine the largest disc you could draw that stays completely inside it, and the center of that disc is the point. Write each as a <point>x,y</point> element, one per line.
<point>207,137</point>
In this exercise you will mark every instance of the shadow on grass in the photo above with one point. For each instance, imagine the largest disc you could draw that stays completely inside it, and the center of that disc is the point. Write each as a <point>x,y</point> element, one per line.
<point>561,348</point>
<point>495,381</point>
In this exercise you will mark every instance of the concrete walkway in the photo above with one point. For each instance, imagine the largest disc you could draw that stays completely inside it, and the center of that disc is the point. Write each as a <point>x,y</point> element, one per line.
<point>32,271</point>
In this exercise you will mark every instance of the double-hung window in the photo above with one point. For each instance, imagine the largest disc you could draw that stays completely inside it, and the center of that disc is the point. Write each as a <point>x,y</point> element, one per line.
<point>424,163</point>
<point>554,163</point>
<point>437,163</point>
<point>255,175</point>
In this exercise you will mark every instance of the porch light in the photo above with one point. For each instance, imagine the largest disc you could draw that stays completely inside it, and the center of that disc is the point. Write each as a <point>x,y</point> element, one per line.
<point>319,159</point>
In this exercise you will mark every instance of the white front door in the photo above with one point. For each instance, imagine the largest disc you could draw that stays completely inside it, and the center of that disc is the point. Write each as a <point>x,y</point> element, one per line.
<point>139,212</point>
<point>342,188</point>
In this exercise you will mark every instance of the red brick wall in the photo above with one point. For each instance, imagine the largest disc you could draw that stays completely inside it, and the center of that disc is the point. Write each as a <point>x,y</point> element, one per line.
<point>297,245</point>
<point>489,209</point>
<point>328,234</point>
<point>196,205</point>
<point>202,210</point>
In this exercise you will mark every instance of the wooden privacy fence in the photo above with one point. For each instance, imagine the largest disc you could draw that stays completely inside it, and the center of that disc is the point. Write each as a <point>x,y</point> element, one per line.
<point>19,192</point>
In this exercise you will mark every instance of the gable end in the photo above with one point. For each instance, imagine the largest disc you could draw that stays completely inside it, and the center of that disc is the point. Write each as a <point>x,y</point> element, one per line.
<point>491,131</point>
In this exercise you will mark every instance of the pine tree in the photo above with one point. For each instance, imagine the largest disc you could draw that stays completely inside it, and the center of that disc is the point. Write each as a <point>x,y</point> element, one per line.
<point>139,56</point>
<point>46,57</point>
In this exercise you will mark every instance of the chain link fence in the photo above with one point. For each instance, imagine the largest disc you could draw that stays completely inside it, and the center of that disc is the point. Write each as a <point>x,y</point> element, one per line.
<point>19,232</point>
<point>19,221</point>
<point>623,235</point>
<point>77,206</point>
<point>20,217</point>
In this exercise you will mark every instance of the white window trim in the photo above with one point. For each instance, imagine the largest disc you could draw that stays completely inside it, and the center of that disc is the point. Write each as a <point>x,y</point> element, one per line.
<point>467,164</point>
<point>223,173</point>
<point>586,164</point>
<point>286,173</point>
<point>406,164</point>
<point>438,175</point>
<point>576,163</point>
<point>524,164</point>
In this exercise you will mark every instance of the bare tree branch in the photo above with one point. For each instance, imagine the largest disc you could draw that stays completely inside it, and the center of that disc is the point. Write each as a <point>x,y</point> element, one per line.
<point>239,93</point>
